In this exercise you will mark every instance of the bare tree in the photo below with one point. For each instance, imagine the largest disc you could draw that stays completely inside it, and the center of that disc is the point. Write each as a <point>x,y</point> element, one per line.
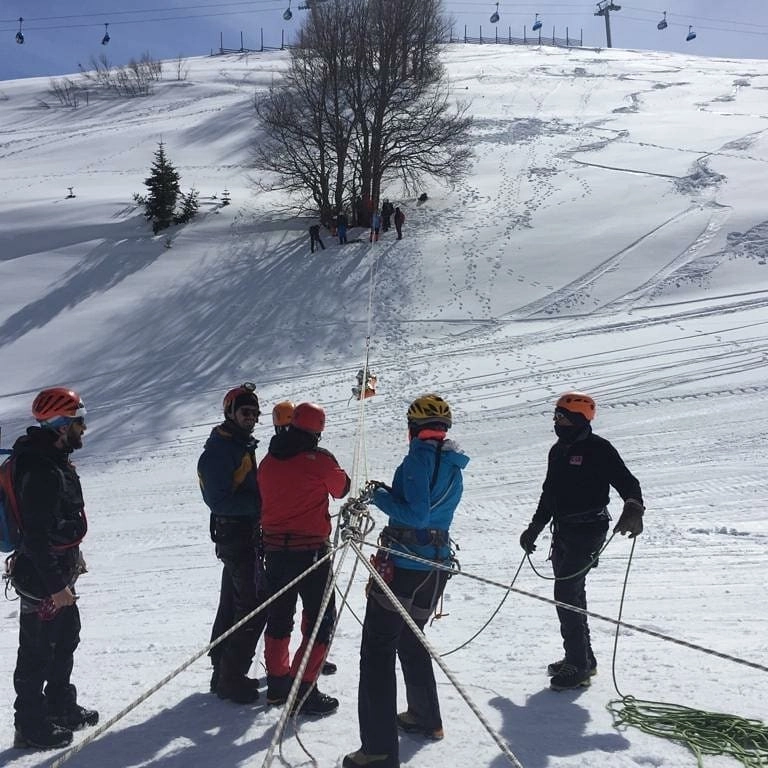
<point>364,101</point>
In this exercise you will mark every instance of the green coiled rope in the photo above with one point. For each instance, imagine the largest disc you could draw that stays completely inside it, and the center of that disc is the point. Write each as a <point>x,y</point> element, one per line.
<point>704,733</point>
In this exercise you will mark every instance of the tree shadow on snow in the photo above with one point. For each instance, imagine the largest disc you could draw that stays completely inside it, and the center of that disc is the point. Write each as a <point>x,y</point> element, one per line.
<point>108,263</point>
<point>551,724</point>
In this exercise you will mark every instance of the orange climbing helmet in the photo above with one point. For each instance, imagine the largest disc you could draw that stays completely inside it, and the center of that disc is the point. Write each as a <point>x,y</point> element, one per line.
<point>577,402</point>
<point>282,413</point>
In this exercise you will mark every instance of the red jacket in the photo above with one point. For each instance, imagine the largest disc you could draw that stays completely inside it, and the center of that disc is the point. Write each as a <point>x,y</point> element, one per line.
<point>295,480</point>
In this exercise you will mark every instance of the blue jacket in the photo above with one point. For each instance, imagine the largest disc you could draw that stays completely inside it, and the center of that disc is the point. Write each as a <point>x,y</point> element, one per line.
<point>227,473</point>
<point>424,502</point>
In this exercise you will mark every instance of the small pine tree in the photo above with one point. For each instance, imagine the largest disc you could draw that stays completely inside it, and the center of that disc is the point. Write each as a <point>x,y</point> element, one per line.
<point>163,186</point>
<point>189,207</point>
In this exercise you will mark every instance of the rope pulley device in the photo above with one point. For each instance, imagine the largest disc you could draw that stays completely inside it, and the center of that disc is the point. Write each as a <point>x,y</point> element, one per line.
<point>366,384</point>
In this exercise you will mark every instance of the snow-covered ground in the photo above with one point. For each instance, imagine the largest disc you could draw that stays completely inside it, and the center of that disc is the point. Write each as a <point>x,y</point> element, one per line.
<point>611,237</point>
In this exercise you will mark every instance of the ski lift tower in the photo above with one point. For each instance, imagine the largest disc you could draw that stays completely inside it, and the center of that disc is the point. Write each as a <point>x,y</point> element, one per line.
<point>604,8</point>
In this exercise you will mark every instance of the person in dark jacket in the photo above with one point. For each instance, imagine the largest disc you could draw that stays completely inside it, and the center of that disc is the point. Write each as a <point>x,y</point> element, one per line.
<point>227,474</point>
<point>314,237</point>
<point>296,479</point>
<point>399,220</point>
<point>44,569</point>
<point>426,489</point>
<point>387,209</point>
<point>580,468</point>
<point>341,227</point>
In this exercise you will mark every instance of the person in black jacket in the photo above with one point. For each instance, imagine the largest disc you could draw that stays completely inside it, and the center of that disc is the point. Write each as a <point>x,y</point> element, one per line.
<point>314,237</point>
<point>227,474</point>
<point>44,569</point>
<point>581,467</point>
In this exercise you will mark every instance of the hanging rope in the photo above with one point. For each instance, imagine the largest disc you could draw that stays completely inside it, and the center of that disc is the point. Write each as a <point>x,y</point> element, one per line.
<point>704,733</point>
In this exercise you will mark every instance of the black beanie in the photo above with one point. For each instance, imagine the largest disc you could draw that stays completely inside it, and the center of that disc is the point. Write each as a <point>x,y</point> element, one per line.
<point>247,399</point>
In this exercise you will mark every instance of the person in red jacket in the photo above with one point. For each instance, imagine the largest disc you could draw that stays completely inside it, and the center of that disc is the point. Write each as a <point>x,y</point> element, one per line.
<point>296,478</point>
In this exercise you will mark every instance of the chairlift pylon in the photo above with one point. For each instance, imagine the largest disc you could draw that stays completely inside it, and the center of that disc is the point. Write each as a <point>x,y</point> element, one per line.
<point>536,24</point>
<point>106,38</point>
<point>287,13</point>
<point>663,23</point>
<point>691,34</point>
<point>495,15</point>
<point>20,34</point>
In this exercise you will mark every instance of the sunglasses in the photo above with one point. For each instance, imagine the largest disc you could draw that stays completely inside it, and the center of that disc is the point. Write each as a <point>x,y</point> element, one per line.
<point>561,417</point>
<point>249,413</point>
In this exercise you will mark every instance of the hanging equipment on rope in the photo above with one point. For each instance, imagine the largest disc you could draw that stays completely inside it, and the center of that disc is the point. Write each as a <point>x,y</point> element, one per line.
<point>536,24</point>
<point>106,38</point>
<point>287,13</point>
<point>360,391</point>
<point>495,15</point>
<point>663,23</point>
<point>20,34</point>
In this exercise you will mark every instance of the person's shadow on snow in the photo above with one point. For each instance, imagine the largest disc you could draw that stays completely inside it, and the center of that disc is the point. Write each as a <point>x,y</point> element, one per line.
<point>550,724</point>
<point>198,732</point>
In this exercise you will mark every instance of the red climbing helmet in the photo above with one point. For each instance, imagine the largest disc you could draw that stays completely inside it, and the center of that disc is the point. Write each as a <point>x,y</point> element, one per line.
<point>244,395</point>
<point>57,403</point>
<point>308,417</point>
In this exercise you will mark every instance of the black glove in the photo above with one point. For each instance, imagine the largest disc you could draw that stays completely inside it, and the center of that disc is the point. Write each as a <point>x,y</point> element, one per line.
<point>631,520</point>
<point>528,539</point>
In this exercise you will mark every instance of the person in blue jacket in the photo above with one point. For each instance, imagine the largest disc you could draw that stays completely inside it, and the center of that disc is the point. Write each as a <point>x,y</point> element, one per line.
<point>227,474</point>
<point>425,492</point>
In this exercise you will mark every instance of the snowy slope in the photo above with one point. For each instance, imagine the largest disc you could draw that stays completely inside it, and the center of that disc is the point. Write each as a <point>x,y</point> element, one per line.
<point>611,237</point>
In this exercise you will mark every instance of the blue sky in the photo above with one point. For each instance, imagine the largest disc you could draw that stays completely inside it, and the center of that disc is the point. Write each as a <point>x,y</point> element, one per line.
<point>58,36</point>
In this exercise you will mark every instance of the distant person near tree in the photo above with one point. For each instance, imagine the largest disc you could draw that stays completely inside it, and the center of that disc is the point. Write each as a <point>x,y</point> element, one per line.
<point>375,227</point>
<point>399,219</point>
<point>314,237</point>
<point>44,569</point>
<point>341,227</point>
<point>387,209</point>
<point>580,468</point>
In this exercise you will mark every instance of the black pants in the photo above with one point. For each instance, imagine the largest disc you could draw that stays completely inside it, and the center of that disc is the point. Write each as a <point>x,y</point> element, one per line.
<point>313,240</point>
<point>46,656</point>
<point>573,547</point>
<point>385,634</point>
<point>282,567</point>
<point>241,592</point>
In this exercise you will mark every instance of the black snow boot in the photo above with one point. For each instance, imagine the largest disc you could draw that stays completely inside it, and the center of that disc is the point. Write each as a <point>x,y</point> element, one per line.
<point>555,667</point>
<point>45,736</point>
<point>317,703</point>
<point>570,677</point>
<point>238,689</point>
<point>74,718</point>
